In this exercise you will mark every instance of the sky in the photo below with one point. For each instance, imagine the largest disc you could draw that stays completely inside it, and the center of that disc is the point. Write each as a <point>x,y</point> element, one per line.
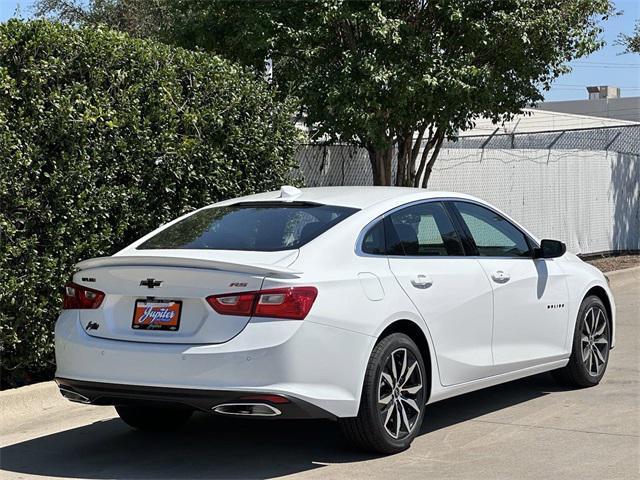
<point>608,66</point>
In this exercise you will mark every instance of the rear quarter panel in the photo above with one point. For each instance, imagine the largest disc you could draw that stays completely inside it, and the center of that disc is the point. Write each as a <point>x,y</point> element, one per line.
<point>356,293</point>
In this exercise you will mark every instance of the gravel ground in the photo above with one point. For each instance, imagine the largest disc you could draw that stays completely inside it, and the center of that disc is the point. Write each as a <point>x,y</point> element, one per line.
<point>608,264</point>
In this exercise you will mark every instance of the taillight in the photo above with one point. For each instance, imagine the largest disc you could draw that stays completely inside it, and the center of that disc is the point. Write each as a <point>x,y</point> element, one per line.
<point>240,304</point>
<point>291,303</point>
<point>77,296</point>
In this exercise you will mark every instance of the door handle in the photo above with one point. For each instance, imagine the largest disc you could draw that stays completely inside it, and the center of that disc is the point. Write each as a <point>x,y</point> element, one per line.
<point>422,281</point>
<point>500,276</point>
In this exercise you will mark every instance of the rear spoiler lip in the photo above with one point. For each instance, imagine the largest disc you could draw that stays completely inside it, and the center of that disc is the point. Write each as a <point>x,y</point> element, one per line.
<point>158,261</point>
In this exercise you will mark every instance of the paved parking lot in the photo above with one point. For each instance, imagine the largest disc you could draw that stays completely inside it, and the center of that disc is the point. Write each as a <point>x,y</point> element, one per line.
<point>530,428</point>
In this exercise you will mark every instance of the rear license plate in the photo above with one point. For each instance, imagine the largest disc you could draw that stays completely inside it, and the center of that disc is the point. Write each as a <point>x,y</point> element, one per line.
<point>157,315</point>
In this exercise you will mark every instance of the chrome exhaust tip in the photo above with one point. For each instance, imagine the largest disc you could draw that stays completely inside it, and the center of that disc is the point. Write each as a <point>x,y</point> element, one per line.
<point>73,396</point>
<point>247,409</point>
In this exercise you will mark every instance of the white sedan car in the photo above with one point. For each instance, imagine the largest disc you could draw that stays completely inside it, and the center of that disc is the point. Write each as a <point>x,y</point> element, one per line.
<point>360,304</point>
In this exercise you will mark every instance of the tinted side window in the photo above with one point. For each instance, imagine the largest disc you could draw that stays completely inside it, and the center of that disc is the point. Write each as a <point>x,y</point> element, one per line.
<point>493,235</point>
<point>373,242</point>
<point>424,229</point>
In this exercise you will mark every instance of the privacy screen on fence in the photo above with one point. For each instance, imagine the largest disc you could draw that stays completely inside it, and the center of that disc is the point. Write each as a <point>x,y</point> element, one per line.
<point>259,227</point>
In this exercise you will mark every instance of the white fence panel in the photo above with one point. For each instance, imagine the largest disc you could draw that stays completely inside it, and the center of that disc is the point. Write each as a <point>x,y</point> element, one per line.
<point>588,199</point>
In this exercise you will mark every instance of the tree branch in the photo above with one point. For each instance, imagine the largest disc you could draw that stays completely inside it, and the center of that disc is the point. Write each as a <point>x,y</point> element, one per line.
<point>425,155</point>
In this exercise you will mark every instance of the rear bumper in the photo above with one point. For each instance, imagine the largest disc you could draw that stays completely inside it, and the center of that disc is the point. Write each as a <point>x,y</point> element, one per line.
<point>96,393</point>
<point>303,360</point>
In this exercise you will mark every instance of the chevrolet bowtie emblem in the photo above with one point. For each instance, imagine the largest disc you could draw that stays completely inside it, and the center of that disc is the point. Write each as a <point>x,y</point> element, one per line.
<point>150,282</point>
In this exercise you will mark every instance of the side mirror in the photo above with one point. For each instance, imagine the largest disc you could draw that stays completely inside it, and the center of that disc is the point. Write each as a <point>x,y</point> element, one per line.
<point>550,249</point>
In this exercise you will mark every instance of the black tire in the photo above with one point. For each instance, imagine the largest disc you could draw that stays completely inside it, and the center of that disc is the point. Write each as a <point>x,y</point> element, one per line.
<point>153,418</point>
<point>586,366</point>
<point>367,431</point>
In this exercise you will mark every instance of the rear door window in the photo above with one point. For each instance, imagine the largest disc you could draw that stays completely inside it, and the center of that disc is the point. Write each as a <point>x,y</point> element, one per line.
<point>250,226</point>
<point>422,230</point>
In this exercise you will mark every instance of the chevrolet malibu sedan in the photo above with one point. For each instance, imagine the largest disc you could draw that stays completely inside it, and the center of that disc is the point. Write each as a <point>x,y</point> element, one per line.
<point>357,304</point>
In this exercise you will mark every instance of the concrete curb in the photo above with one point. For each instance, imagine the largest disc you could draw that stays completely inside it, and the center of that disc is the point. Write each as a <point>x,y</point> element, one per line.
<point>45,395</point>
<point>618,278</point>
<point>22,400</point>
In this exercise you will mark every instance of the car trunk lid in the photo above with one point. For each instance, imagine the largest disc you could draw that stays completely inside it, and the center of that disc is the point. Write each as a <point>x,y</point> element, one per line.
<point>133,282</point>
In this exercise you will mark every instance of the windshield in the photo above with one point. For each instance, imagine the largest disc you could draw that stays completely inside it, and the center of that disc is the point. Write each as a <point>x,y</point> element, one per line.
<point>262,227</point>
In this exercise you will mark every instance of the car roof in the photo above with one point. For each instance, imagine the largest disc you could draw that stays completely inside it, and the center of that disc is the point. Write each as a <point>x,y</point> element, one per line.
<point>355,197</point>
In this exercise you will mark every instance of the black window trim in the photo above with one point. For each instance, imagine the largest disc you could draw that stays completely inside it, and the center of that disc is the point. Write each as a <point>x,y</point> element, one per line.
<point>468,244</point>
<point>450,202</point>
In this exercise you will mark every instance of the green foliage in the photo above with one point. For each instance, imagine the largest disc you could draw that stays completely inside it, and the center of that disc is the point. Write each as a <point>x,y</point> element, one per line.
<point>375,73</point>
<point>236,29</point>
<point>103,138</point>
<point>631,42</point>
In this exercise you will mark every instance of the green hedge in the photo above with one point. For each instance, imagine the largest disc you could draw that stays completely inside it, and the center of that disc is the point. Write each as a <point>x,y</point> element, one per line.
<point>102,138</point>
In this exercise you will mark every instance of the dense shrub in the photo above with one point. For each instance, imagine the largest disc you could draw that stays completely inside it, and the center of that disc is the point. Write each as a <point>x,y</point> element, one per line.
<point>102,138</point>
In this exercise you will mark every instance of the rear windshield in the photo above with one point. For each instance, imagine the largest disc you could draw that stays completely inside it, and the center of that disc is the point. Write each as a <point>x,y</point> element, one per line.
<point>250,226</point>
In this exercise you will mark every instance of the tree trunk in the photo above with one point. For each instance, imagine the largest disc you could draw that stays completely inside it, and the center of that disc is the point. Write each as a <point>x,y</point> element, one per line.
<point>427,173</point>
<point>381,164</point>
<point>409,172</point>
<point>428,157</point>
<point>417,179</point>
<point>408,149</point>
<point>402,164</point>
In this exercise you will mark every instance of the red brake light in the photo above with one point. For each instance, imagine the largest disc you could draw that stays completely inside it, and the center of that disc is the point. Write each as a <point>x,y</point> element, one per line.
<point>77,296</point>
<point>291,303</point>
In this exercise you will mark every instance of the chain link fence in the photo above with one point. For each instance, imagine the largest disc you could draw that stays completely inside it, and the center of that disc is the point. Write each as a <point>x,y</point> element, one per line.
<point>579,186</point>
<point>331,165</point>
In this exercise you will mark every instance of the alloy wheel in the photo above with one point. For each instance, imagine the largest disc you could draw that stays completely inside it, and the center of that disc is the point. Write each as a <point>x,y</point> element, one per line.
<point>400,393</point>
<point>594,341</point>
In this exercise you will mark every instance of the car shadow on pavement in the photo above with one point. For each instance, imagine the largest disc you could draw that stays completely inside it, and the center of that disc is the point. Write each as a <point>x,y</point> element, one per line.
<point>214,447</point>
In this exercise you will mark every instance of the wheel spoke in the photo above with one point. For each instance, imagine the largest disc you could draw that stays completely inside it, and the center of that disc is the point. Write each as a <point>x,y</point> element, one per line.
<point>412,390</point>
<point>601,341</point>
<point>393,369</point>
<point>385,400</point>
<point>590,361</point>
<point>586,352</point>
<point>409,373</point>
<point>388,417</point>
<point>587,325</point>
<point>398,422</point>
<point>404,363</point>
<point>405,419</point>
<point>600,328</point>
<point>598,355</point>
<point>387,378</point>
<point>595,362</point>
<point>412,403</point>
